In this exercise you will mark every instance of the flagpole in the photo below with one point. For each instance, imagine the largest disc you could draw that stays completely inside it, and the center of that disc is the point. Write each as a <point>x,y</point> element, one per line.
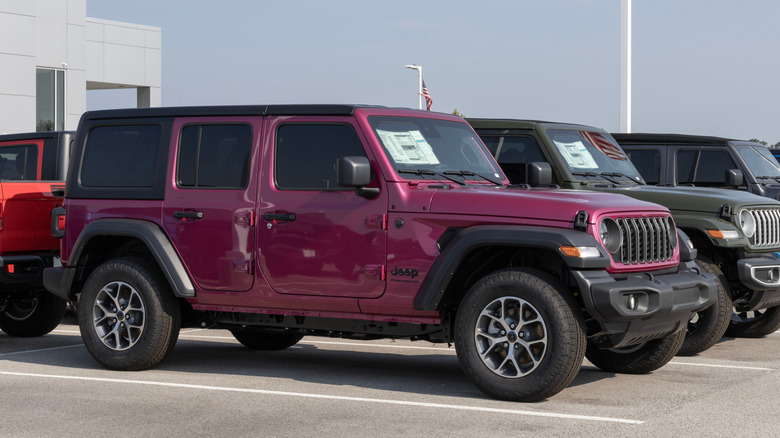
<point>419,84</point>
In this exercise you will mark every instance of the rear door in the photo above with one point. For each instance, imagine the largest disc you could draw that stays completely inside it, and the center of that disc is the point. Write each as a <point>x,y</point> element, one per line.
<point>210,199</point>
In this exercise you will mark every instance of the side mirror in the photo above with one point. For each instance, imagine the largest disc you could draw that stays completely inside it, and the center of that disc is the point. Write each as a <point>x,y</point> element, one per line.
<point>538,174</point>
<point>355,172</point>
<point>734,178</point>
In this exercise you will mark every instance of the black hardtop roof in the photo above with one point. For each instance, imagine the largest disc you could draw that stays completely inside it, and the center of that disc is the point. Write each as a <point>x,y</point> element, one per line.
<point>230,110</point>
<point>488,123</point>
<point>33,135</point>
<point>670,138</point>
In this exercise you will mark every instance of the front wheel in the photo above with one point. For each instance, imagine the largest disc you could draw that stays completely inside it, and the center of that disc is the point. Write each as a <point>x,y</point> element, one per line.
<point>33,314</point>
<point>754,324</point>
<point>128,316</point>
<point>637,359</point>
<point>518,336</point>
<point>706,327</point>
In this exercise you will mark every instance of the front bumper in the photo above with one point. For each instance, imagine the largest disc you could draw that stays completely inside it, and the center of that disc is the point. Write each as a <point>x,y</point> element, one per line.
<point>762,276</point>
<point>637,308</point>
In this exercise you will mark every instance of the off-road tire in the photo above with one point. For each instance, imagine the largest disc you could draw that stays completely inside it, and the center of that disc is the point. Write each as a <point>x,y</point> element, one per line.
<point>549,314</point>
<point>707,326</point>
<point>35,315</point>
<point>761,323</point>
<point>258,339</point>
<point>639,359</point>
<point>152,317</point>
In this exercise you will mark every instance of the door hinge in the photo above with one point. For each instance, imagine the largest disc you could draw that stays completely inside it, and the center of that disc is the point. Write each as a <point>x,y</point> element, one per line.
<point>378,271</point>
<point>376,221</point>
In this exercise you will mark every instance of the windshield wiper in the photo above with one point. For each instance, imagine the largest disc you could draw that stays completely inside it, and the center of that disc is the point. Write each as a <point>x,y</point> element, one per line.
<point>428,172</point>
<point>619,174</point>
<point>464,173</point>
<point>774,178</point>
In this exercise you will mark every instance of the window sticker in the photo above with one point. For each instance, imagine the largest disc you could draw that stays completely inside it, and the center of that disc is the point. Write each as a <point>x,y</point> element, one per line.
<point>408,147</point>
<point>576,155</point>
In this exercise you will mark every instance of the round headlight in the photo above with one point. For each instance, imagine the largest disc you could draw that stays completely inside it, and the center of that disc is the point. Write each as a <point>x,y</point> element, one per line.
<point>748,223</point>
<point>672,232</point>
<point>610,235</point>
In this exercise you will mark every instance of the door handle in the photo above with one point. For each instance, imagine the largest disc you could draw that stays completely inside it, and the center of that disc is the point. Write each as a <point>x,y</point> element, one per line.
<point>188,214</point>
<point>279,216</point>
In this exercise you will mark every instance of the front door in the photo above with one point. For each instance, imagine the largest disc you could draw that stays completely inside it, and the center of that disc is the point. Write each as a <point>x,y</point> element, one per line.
<point>314,237</point>
<point>209,205</point>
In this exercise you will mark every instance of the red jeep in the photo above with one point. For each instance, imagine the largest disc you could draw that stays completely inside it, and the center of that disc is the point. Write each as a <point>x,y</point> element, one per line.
<point>32,170</point>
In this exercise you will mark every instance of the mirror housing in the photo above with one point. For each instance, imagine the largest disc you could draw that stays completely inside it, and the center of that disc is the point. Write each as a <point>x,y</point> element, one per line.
<point>356,172</point>
<point>538,174</point>
<point>734,178</point>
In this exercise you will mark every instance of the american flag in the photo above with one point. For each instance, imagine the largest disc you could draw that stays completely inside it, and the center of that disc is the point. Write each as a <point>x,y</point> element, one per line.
<point>607,147</point>
<point>427,96</point>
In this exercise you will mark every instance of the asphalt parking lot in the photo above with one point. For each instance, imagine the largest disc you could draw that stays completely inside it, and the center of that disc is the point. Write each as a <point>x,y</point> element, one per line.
<point>212,386</point>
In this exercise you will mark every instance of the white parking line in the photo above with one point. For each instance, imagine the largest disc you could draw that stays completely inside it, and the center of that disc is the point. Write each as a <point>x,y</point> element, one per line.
<point>719,366</point>
<point>331,397</point>
<point>13,353</point>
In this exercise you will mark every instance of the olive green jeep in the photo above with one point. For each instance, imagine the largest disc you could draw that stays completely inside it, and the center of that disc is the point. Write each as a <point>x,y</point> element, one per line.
<point>736,233</point>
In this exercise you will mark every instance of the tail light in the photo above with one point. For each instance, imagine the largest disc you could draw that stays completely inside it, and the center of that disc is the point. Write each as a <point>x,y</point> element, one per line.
<point>58,222</point>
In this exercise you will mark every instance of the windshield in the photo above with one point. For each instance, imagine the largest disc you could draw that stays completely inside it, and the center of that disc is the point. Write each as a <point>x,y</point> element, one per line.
<point>593,155</point>
<point>420,148</point>
<point>760,161</point>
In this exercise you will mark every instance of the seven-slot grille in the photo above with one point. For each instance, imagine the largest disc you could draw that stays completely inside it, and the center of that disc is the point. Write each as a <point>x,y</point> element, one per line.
<point>645,240</point>
<point>767,227</point>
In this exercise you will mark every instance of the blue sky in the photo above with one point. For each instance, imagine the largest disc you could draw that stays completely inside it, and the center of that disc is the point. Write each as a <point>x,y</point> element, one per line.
<point>699,67</point>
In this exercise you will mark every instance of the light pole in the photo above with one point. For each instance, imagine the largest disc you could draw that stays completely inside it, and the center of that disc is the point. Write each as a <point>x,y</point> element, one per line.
<point>419,83</point>
<point>625,65</point>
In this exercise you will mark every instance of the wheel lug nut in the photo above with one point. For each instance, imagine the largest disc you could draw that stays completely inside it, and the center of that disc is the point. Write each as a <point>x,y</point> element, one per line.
<point>503,332</point>
<point>521,334</point>
<point>517,346</point>
<point>506,344</point>
<point>512,326</point>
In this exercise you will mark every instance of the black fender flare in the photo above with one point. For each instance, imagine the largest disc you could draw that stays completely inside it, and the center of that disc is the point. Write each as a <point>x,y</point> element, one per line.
<point>468,239</point>
<point>155,240</point>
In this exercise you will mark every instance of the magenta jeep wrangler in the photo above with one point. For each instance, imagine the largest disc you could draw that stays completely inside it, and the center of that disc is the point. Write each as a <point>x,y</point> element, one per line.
<point>283,221</point>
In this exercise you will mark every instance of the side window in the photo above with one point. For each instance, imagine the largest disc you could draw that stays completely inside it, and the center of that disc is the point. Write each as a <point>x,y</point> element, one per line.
<point>706,168</point>
<point>648,163</point>
<point>214,156</point>
<point>513,153</point>
<point>121,156</point>
<point>19,163</point>
<point>306,155</point>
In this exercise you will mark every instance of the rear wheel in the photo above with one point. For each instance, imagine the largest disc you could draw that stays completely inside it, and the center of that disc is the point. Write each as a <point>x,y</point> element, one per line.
<point>128,316</point>
<point>706,327</point>
<point>754,324</point>
<point>518,336</point>
<point>259,339</point>
<point>33,314</point>
<point>637,359</point>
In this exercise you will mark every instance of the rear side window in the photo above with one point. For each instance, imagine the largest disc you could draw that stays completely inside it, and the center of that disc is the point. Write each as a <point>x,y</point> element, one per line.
<point>121,156</point>
<point>19,163</point>
<point>648,163</point>
<point>214,156</point>
<point>306,155</point>
<point>706,168</point>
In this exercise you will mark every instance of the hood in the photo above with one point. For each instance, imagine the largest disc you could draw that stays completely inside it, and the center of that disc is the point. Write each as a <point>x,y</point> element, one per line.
<point>536,204</point>
<point>695,199</point>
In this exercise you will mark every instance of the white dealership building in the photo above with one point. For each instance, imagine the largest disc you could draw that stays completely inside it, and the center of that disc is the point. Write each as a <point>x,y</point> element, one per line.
<point>51,53</point>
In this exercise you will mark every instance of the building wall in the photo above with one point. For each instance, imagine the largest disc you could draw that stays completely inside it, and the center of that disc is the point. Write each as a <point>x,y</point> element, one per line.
<point>17,65</point>
<point>95,54</point>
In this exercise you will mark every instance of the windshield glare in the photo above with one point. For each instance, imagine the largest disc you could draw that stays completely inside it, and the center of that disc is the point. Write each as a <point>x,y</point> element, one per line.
<point>759,160</point>
<point>433,146</point>
<point>587,152</point>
